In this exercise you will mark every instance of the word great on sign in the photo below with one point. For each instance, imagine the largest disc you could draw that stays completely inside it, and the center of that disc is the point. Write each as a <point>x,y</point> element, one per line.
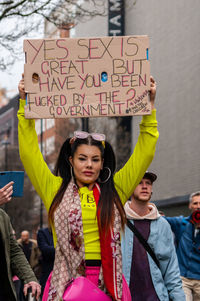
<point>87,77</point>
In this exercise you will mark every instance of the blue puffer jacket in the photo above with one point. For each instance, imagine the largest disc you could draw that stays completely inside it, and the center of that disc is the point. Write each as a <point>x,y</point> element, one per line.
<point>188,246</point>
<point>166,280</point>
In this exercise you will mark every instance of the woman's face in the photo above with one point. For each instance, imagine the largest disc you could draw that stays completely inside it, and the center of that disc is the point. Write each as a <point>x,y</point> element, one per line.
<point>87,164</point>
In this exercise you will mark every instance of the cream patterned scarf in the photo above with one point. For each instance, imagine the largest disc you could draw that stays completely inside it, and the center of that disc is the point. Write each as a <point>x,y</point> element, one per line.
<point>70,250</point>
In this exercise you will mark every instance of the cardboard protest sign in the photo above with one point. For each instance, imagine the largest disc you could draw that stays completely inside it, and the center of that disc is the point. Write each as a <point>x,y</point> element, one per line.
<point>87,77</point>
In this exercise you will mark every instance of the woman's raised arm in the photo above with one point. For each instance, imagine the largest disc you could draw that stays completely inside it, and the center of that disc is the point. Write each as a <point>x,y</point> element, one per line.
<point>127,178</point>
<point>44,182</point>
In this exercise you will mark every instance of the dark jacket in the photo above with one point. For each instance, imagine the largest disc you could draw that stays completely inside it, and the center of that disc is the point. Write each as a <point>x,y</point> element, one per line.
<point>46,246</point>
<point>14,260</point>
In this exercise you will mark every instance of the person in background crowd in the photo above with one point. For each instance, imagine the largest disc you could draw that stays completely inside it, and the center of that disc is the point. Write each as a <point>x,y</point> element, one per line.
<point>187,235</point>
<point>147,280</point>
<point>46,246</point>
<point>85,198</point>
<point>13,262</point>
<point>31,251</point>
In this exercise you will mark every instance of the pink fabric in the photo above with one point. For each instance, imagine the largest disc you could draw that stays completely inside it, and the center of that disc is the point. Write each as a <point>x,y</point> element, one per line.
<point>82,289</point>
<point>92,273</point>
<point>126,294</point>
<point>46,289</point>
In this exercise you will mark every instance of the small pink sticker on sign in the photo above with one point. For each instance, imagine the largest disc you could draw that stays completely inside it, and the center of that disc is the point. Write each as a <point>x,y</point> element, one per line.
<point>87,77</point>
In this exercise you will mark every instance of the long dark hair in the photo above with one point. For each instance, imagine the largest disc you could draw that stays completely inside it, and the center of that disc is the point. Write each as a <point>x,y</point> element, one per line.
<point>108,196</point>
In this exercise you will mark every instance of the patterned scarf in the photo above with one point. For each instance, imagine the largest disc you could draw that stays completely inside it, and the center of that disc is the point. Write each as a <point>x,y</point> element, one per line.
<point>70,250</point>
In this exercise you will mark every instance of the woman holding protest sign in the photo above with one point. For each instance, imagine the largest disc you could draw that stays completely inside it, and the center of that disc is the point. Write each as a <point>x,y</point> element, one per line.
<point>85,199</point>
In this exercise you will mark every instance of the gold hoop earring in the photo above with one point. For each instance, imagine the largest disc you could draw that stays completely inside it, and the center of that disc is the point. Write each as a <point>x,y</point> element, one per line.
<point>108,177</point>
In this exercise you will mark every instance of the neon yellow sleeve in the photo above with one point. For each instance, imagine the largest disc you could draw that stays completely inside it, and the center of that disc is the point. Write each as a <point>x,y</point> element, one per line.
<point>127,178</point>
<point>45,183</point>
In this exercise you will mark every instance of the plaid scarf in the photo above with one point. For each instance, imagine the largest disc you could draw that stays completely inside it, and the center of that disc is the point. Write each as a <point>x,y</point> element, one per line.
<point>70,250</point>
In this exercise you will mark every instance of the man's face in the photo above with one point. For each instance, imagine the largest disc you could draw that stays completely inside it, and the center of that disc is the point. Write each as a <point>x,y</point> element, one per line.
<point>25,236</point>
<point>195,203</point>
<point>143,191</point>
